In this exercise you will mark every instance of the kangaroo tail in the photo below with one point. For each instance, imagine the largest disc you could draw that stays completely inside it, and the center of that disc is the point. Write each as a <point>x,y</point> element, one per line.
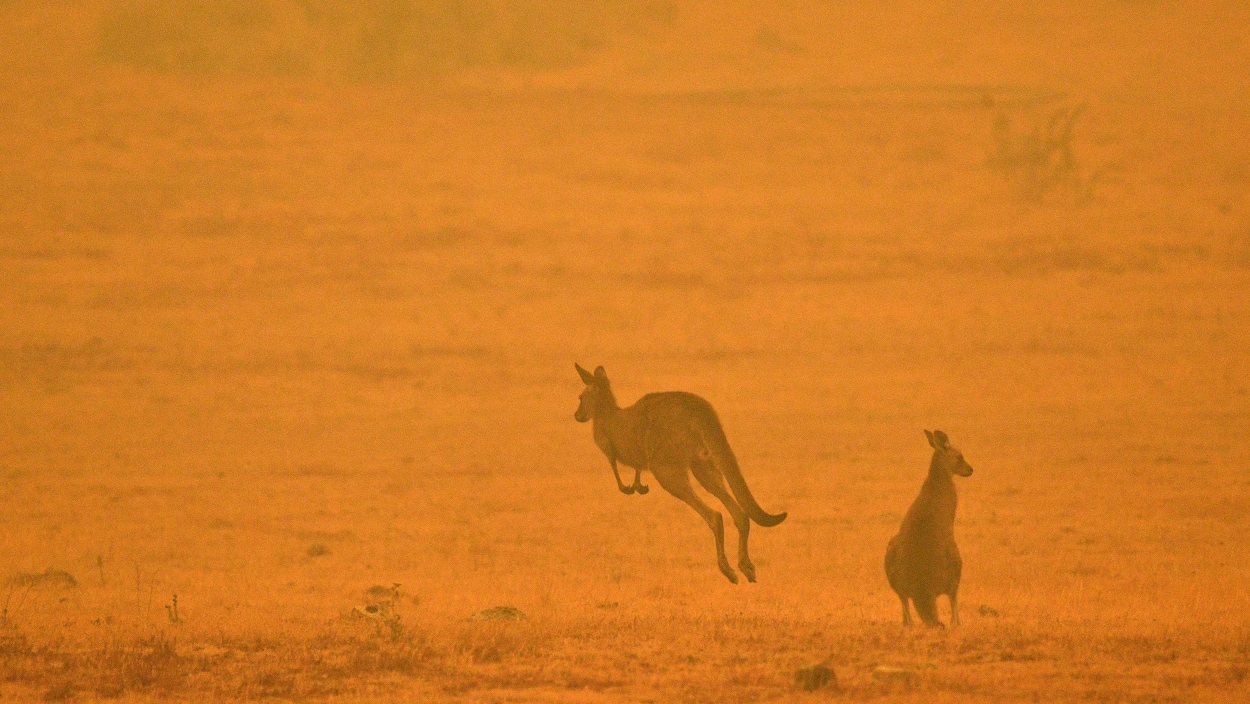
<point>926,607</point>
<point>723,456</point>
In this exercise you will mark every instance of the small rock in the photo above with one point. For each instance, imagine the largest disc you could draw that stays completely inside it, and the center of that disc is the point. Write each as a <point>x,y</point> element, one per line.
<point>379,592</point>
<point>383,617</point>
<point>888,673</point>
<point>987,610</point>
<point>499,613</point>
<point>378,612</point>
<point>813,678</point>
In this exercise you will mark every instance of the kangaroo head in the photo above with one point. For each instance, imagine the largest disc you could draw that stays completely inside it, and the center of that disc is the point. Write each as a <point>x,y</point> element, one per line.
<point>596,395</point>
<point>947,457</point>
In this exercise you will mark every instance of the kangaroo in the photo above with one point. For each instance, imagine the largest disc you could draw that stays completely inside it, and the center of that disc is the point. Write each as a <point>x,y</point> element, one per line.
<point>672,435</point>
<point>922,561</point>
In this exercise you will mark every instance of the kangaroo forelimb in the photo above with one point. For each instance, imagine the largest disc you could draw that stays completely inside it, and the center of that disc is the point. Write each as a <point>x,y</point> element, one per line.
<point>626,490</point>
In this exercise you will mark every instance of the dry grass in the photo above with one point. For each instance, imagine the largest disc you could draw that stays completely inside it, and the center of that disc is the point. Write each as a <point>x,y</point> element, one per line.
<point>743,658</point>
<point>407,40</point>
<point>299,355</point>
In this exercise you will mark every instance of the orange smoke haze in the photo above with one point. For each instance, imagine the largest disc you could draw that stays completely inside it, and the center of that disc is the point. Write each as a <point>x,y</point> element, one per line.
<point>292,293</point>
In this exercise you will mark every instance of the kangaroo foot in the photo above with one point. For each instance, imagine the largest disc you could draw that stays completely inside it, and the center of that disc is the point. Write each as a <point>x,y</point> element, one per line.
<point>638,485</point>
<point>748,569</point>
<point>627,490</point>
<point>728,571</point>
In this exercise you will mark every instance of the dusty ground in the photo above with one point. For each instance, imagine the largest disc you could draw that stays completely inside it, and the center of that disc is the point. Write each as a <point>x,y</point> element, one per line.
<point>269,341</point>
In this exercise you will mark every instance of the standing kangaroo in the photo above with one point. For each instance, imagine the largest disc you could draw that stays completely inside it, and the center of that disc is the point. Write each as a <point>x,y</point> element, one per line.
<point>673,435</point>
<point>922,561</point>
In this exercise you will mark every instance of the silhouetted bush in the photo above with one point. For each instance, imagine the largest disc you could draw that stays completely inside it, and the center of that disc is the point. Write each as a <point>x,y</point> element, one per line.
<point>1041,157</point>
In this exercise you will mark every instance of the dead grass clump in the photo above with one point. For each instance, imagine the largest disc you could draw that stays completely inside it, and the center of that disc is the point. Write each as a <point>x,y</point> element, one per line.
<point>328,664</point>
<point>409,655</point>
<point>1040,157</point>
<point>59,692</point>
<point>254,644</point>
<point>371,652</point>
<point>12,642</point>
<point>494,642</point>
<point>810,679</point>
<point>1154,649</point>
<point>383,617</point>
<point>486,645</point>
<point>49,578</point>
<point>147,666</point>
<point>499,613</point>
<point>1006,645</point>
<point>283,677</point>
<point>892,676</point>
<point>277,681</point>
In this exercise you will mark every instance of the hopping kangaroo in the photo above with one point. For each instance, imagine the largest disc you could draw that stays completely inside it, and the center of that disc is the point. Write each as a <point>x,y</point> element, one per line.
<point>922,561</point>
<point>672,435</point>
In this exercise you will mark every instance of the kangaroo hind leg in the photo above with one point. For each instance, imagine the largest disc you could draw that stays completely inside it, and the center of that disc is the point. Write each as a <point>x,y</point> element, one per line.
<point>706,473</point>
<point>906,610</point>
<point>676,481</point>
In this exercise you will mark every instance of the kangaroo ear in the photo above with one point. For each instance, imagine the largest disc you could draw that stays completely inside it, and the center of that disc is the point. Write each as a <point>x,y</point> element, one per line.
<point>600,374</point>
<point>932,442</point>
<point>587,377</point>
<point>943,442</point>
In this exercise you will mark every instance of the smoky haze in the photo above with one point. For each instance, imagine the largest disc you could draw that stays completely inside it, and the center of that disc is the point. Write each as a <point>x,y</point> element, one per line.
<point>292,292</point>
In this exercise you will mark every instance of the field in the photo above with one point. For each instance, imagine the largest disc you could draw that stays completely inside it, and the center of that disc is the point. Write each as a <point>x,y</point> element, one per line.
<point>286,354</point>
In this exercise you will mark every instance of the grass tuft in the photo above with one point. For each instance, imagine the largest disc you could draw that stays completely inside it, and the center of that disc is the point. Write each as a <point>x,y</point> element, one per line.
<point>1040,156</point>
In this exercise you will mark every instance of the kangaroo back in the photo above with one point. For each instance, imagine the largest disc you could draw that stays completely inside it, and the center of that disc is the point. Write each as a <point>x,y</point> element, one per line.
<point>717,445</point>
